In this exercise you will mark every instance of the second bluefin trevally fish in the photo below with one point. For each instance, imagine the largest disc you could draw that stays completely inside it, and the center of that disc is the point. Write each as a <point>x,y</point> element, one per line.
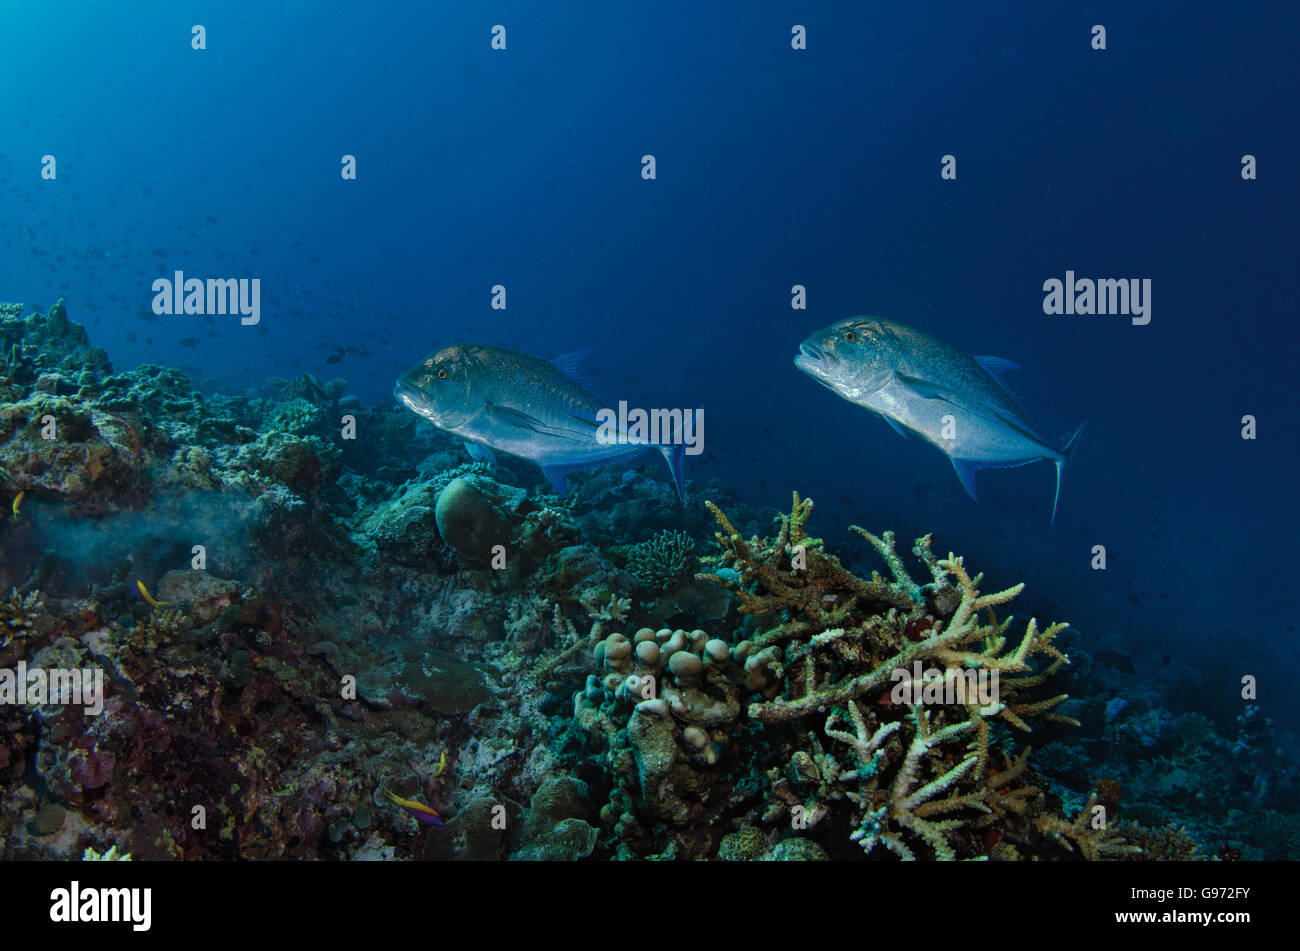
<point>917,382</point>
<point>539,410</point>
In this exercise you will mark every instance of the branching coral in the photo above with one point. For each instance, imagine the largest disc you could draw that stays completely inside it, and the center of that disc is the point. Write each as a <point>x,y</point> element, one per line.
<point>791,577</point>
<point>1086,835</point>
<point>663,560</point>
<point>17,612</point>
<point>613,611</point>
<point>877,664</point>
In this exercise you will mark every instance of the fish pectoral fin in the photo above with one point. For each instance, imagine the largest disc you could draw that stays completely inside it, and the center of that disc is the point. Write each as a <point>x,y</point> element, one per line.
<point>895,425</point>
<point>994,414</point>
<point>505,416</point>
<point>925,389</point>
<point>480,452</point>
<point>966,473</point>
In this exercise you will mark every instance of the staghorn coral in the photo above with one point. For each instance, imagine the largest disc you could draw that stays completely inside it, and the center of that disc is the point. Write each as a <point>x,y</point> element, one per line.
<point>613,611</point>
<point>822,669</point>
<point>17,614</point>
<point>1091,838</point>
<point>111,854</point>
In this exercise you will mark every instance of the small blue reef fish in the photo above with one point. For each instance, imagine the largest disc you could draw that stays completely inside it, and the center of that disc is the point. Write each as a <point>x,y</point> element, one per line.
<point>916,382</point>
<point>539,410</point>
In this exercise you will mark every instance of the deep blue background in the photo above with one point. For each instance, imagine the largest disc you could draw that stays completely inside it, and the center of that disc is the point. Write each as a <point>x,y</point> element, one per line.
<point>775,167</point>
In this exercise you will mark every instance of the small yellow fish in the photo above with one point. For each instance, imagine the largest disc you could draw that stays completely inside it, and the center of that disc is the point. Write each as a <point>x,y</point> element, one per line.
<point>425,815</point>
<point>18,502</point>
<point>148,598</point>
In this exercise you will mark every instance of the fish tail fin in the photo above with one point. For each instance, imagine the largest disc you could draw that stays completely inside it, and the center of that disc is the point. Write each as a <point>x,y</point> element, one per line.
<point>1063,464</point>
<point>674,455</point>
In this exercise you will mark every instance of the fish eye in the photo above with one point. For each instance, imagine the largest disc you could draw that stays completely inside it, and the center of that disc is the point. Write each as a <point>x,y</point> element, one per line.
<point>850,336</point>
<point>442,374</point>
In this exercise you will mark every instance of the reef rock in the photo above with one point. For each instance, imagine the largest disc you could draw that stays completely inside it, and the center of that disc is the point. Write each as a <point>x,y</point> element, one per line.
<point>471,522</point>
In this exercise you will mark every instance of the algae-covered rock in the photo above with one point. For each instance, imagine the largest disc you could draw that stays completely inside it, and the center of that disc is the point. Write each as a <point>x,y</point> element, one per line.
<point>447,684</point>
<point>61,448</point>
<point>405,529</point>
<point>655,749</point>
<point>566,841</point>
<point>555,826</point>
<point>470,522</point>
<point>744,845</point>
<point>479,832</point>
<point>203,594</point>
<point>556,799</point>
<point>289,459</point>
<point>48,820</point>
<point>795,849</point>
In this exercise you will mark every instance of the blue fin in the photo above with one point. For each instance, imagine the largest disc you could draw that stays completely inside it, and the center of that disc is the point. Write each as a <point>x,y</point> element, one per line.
<point>519,419</point>
<point>930,391</point>
<point>480,452</point>
<point>674,455</point>
<point>896,426</point>
<point>571,365</point>
<point>997,414</point>
<point>998,368</point>
<point>1064,463</point>
<point>996,365</point>
<point>966,473</point>
<point>555,475</point>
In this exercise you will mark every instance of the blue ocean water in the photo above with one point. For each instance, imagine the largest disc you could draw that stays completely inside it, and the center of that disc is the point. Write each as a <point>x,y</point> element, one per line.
<point>775,167</point>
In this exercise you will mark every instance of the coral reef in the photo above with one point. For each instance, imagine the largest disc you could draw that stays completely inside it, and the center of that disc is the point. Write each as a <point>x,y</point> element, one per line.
<point>287,620</point>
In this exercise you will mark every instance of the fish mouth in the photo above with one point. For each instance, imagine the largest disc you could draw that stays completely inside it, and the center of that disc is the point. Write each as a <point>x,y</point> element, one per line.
<point>412,399</point>
<point>812,359</point>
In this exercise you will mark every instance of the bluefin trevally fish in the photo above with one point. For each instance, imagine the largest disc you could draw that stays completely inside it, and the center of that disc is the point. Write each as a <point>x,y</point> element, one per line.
<point>539,410</point>
<point>916,382</point>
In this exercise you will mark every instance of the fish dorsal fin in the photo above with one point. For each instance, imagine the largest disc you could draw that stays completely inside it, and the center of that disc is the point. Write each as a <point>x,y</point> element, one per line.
<point>998,368</point>
<point>573,366</point>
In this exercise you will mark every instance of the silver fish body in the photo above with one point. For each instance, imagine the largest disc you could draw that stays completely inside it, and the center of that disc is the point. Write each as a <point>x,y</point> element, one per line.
<point>500,399</point>
<point>918,383</point>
